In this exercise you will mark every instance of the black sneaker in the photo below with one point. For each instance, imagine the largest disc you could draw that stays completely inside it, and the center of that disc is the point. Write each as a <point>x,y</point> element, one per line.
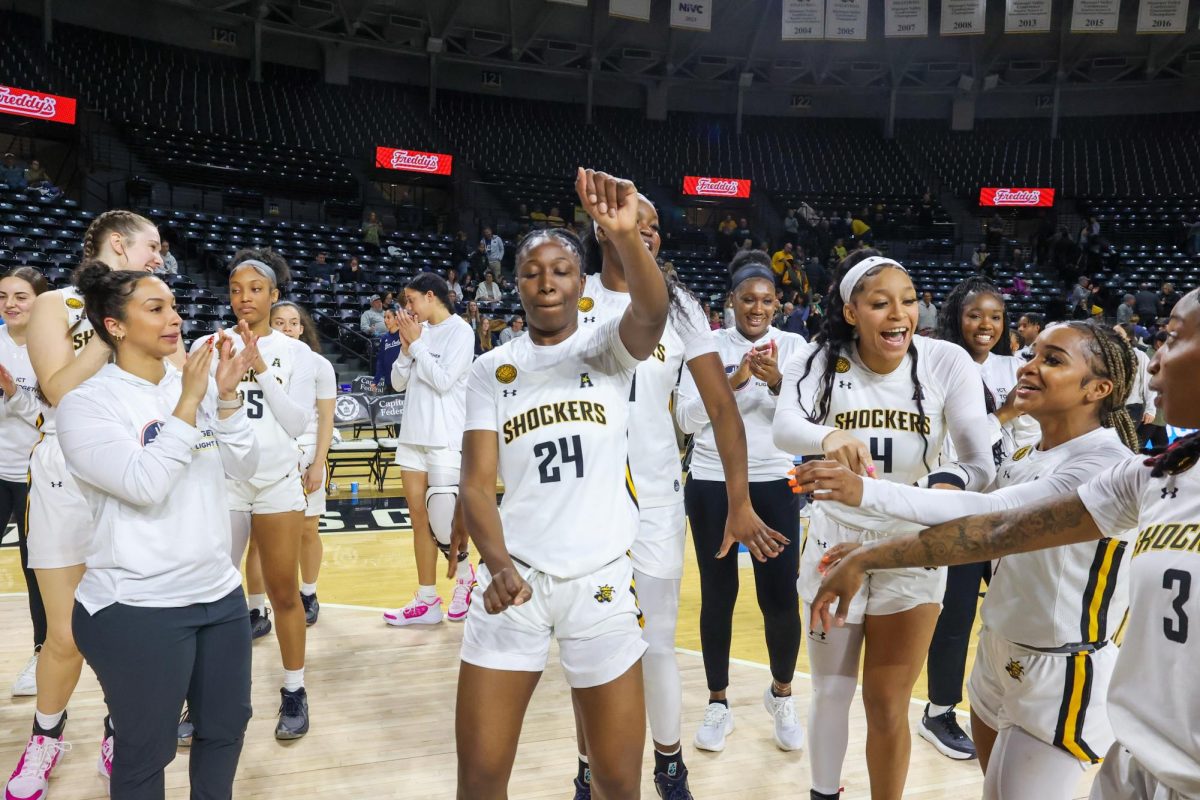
<point>293,714</point>
<point>311,608</point>
<point>186,730</point>
<point>583,791</point>
<point>260,623</point>
<point>673,787</point>
<point>813,794</point>
<point>944,733</point>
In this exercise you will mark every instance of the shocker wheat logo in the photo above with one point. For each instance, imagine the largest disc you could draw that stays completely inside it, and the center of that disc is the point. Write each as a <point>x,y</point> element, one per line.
<point>586,304</point>
<point>506,373</point>
<point>73,302</point>
<point>1014,669</point>
<point>604,594</point>
<point>843,365</point>
<point>1024,451</point>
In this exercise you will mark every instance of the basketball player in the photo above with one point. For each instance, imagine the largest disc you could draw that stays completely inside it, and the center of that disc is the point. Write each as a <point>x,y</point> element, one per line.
<point>1150,703</point>
<point>160,613</point>
<point>550,411</point>
<point>296,323</point>
<point>280,395</point>
<point>654,460</point>
<point>1049,613</point>
<point>19,414</point>
<point>973,317</point>
<point>751,351</point>
<point>435,355</point>
<point>64,352</point>
<point>874,398</point>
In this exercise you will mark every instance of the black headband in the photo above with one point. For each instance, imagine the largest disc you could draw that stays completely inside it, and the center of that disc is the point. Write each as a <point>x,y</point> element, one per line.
<point>752,271</point>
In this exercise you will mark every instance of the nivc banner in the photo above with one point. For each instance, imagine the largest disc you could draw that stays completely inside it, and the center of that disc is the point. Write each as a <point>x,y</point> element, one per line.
<point>1016,198</point>
<point>1162,16</point>
<point>37,105</point>
<point>846,20</point>
<point>803,19</point>
<point>904,18</point>
<point>716,187</point>
<point>963,17</point>
<point>1095,16</point>
<point>1027,16</point>
<point>413,161</point>
<point>691,15</point>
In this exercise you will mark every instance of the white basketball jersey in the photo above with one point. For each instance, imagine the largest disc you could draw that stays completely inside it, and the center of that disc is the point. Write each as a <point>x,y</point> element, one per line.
<point>1152,701</point>
<point>561,414</point>
<point>20,414</point>
<point>1066,595</point>
<point>653,449</point>
<point>79,331</point>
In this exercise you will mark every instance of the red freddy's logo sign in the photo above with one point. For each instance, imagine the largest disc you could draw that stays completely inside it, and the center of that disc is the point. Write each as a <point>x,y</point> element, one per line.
<point>413,160</point>
<point>36,105</point>
<point>716,187</point>
<point>1039,198</point>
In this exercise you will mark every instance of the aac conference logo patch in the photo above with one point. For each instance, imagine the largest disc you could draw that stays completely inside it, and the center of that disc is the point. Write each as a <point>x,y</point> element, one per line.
<point>150,432</point>
<point>843,365</point>
<point>74,302</point>
<point>506,373</point>
<point>586,304</point>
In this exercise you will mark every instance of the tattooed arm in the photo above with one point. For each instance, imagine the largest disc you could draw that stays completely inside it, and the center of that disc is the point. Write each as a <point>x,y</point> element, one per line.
<point>1060,521</point>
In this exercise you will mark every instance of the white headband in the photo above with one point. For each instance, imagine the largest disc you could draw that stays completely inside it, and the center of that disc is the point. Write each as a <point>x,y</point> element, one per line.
<point>262,269</point>
<point>856,273</point>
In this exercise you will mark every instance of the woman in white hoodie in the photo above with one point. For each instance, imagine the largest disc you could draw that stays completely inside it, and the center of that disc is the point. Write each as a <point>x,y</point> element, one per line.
<point>160,614</point>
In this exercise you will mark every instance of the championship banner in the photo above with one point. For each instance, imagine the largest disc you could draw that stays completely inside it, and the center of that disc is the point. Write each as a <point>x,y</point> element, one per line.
<point>716,187</point>
<point>1162,16</point>
<point>692,15</point>
<point>1095,16</point>
<point>37,105</point>
<point>1027,16</point>
<point>1016,198</point>
<point>963,17</point>
<point>904,18</point>
<point>803,19</point>
<point>630,9</point>
<point>413,161</point>
<point>580,3</point>
<point>846,20</point>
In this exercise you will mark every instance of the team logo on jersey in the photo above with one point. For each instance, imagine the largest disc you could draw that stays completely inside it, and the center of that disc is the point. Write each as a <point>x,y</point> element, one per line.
<point>1024,451</point>
<point>75,303</point>
<point>1015,669</point>
<point>586,304</point>
<point>1165,491</point>
<point>276,363</point>
<point>506,373</point>
<point>585,381</point>
<point>604,594</point>
<point>843,365</point>
<point>150,432</point>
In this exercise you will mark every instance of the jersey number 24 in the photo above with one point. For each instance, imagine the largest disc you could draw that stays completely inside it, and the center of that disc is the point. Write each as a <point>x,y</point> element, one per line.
<point>564,451</point>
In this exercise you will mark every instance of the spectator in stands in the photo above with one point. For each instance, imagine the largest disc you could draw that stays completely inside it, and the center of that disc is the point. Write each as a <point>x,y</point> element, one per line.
<point>372,231</point>
<point>791,227</point>
<point>743,231</point>
<point>12,174</point>
<point>714,319</point>
<point>927,314</point>
<point>169,266</point>
<point>838,252</point>
<point>1125,311</point>
<point>389,346</point>
<point>818,279</point>
<point>523,220</point>
<point>537,219</point>
<point>726,241</point>
<point>456,288</point>
<point>1167,299</point>
<point>515,329</point>
<point>1191,242</point>
<point>1018,258</point>
<point>781,261</point>
<point>35,175</point>
<point>1080,290</point>
<point>351,272</point>
<point>322,269</point>
<point>669,271</point>
<point>859,228</point>
<point>1028,328</point>
<point>372,322</point>
<point>925,212</point>
<point>488,292</point>
<point>495,250</point>
<point>993,230</point>
<point>554,219</point>
<point>981,257</point>
<point>796,319</point>
<point>1019,286</point>
<point>389,301</point>
<point>1145,303</point>
<point>461,254</point>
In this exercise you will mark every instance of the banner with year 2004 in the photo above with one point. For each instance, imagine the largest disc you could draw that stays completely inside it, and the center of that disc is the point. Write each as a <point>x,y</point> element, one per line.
<point>1162,16</point>
<point>963,17</point>
<point>905,18</point>
<point>1095,16</point>
<point>1027,16</point>
<point>803,19</point>
<point>846,20</point>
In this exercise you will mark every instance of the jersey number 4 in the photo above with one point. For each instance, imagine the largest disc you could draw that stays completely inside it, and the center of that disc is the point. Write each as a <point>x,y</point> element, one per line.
<point>881,451</point>
<point>1177,629</point>
<point>565,451</point>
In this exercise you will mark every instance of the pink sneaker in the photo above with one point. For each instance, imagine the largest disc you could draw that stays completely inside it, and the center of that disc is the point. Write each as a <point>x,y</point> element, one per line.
<point>460,601</point>
<point>104,765</point>
<point>31,779</point>
<point>417,612</point>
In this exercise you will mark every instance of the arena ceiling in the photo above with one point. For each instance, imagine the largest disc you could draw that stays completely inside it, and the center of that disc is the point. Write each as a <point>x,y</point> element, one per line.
<point>744,46</point>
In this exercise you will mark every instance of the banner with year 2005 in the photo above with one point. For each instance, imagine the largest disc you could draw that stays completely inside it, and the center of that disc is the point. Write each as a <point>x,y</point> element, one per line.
<point>963,17</point>
<point>904,18</point>
<point>846,20</point>
<point>1162,16</point>
<point>803,19</point>
<point>1027,16</point>
<point>1095,16</point>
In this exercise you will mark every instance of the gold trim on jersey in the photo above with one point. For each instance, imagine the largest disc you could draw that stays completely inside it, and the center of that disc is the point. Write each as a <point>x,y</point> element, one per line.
<point>1077,694</point>
<point>1101,585</point>
<point>629,485</point>
<point>636,604</point>
<point>882,418</point>
<point>553,414</point>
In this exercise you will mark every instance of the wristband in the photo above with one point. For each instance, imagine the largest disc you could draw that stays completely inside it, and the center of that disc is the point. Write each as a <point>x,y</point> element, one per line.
<point>231,405</point>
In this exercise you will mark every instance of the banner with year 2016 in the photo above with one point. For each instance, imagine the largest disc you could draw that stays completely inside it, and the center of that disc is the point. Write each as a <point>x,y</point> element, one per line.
<point>1162,16</point>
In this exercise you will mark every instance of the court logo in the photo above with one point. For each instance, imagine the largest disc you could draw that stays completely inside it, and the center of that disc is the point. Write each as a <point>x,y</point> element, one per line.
<point>604,594</point>
<point>1024,451</point>
<point>150,432</point>
<point>506,373</point>
<point>586,304</point>
<point>75,303</point>
<point>1015,670</point>
<point>843,365</point>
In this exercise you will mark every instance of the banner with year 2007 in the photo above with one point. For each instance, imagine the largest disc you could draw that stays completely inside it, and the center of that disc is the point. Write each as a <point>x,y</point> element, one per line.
<point>905,18</point>
<point>803,19</point>
<point>963,17</point>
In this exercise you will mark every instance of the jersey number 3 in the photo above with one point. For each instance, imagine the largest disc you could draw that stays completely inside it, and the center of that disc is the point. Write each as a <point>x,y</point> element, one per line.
<point>566,451</point>
<point>1177,629</point>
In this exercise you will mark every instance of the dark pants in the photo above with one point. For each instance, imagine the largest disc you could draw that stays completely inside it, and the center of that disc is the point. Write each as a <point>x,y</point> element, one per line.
<point>774,581</point>
<point>948,651</point>
<point>149,660</point>
<point>12,503</point>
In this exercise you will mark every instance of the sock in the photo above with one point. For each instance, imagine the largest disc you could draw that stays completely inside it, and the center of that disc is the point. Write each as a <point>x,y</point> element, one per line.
<point>463,571</point>
<point>109,729</point>
<point>776,693</point>
<point>936,711</point>
<point>585,772</point>
<point>308,589</point>
<point>427,594</point>
<point>669,764</point>
<point>257,602</point>
<point>815,795</point>
<point>724,702</point>
<point>293,679</point>
<point>49,724</point>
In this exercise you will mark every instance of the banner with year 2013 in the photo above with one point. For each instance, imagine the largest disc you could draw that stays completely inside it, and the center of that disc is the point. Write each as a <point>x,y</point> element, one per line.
<point>905,18</point>
<point>963,17</point>
<point>1027,16</point>
<point>803,19</point>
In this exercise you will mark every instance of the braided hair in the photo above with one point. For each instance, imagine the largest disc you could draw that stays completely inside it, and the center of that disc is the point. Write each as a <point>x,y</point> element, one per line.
<point>1112,359</point>
<point>125,223</point>
<point>836,339</point>
<point>949,327</point>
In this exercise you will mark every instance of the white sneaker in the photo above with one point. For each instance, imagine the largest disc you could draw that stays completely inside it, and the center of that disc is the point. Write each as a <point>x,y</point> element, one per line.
<point>717,724</point>
<point>789,733</point>
<point>26,683</point>
<point>460,601</point>
<point>417,612</point>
